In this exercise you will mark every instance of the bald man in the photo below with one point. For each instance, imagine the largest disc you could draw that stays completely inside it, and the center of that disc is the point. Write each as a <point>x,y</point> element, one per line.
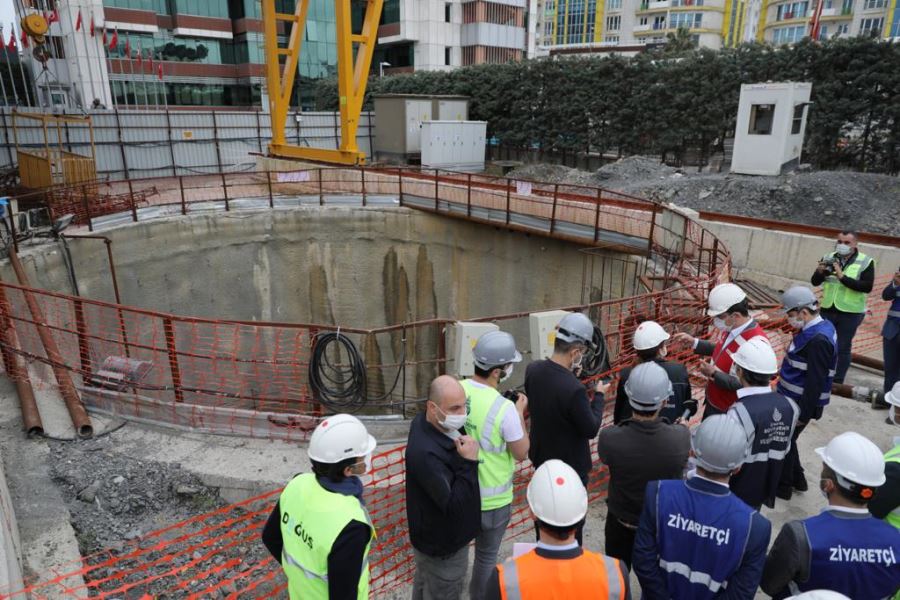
<point>443,503</point>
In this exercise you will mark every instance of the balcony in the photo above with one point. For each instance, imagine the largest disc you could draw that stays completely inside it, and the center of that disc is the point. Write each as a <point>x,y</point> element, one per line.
<point>644,27</point>
<point>829,12</point>
<point>654,6</point>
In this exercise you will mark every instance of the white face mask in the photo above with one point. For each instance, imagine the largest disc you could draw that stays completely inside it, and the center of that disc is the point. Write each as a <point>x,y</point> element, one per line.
<point>507,372</point>
<point>576,364</point>
<point>368,463</point>
<point>733,371</point>
<point>720,324</point>
<point>452,422</point>
<point>843,249</point>
<point>796,322</point>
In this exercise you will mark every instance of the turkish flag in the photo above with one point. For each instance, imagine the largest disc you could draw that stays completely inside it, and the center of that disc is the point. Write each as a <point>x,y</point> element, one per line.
<point>24,39</point>
<point>114,42</point>
<point>105,40</point>
<point>78,21</point>
<point>150,61</point>
<point>159,71</point>
<point>12,46</point>
<point>128,48</point>
<point>93,29</point>
<point>54,17</point>
<point>140,57</point>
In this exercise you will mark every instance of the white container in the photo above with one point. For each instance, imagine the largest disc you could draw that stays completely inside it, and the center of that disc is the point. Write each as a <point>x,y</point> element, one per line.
<point>454,145</point>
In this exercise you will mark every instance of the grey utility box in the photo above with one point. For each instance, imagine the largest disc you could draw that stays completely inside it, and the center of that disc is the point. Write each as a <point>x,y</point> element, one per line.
<point>399,118</point>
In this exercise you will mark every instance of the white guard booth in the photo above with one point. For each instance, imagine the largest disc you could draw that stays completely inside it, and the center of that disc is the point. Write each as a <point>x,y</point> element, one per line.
<point>454,145</point>
<point>771,121</point>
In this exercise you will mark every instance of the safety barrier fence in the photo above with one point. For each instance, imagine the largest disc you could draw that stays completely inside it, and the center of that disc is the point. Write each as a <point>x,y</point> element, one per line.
<point>256,372</point>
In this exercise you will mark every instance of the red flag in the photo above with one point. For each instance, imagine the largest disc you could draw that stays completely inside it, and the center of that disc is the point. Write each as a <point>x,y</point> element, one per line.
<point>140,58</point>
<point>12,46</point>
<point>128,48</point>
<point>159,71</point>
<point>93,29</point>
<point>114,42</point>
<point>24,39</point>
<point>78,21</point>
<point>150,61</point>
<point>54,17</point>
<point>105,40</point>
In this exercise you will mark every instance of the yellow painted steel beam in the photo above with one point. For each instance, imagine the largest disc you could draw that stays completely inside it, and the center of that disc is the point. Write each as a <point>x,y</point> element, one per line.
<point>354,53</point>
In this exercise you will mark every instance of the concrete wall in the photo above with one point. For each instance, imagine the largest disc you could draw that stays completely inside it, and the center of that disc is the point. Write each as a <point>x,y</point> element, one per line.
<point>10,546</point>
<point>778,258</point>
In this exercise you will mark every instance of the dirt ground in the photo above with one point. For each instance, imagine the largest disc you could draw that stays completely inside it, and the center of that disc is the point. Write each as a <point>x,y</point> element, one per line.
<point>860,201</point>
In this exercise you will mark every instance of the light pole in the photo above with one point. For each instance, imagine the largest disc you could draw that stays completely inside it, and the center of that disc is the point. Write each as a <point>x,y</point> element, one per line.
<point>381,67</point>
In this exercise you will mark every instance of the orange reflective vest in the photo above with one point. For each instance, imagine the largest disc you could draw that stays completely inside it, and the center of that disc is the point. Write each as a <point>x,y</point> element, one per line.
<point>588,577</point>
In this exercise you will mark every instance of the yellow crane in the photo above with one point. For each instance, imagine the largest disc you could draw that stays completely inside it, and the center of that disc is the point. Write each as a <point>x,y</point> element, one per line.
<point>354,58</point>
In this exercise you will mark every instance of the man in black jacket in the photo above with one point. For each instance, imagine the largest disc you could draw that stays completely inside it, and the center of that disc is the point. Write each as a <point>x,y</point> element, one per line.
<point>563,420</point>
<point>649,343</point>
<point>638,450</point>
<point>443,502</point>
<point>769,420</point>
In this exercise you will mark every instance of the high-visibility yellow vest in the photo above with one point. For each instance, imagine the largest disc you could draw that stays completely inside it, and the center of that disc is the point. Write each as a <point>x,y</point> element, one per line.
<point>496,464</point>
<point>311,520</point>
<point>893,517</point>
<point>838,295</point>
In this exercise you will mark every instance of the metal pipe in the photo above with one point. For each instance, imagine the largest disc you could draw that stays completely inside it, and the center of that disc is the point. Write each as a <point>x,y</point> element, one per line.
<point>80,419</point>
<point>867,361</point>
<point>31,417</point>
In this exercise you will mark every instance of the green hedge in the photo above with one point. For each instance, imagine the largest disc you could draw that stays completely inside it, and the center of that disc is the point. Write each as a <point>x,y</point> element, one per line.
<point>662,101</point>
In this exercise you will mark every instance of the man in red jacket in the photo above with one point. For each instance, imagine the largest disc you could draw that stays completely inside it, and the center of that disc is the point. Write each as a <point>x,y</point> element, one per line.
<point>730,310</point>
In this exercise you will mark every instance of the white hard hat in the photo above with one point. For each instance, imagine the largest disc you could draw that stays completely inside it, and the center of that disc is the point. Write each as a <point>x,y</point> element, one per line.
<point>648,387</point>
<point>338,438</point>
<point>820,595</point>
<point>576,327</point>
<point>649,334</point>
<point>855,458</point>
<point>720,444</point>
<point>495,349</point>
<point>724,296</point>
<point>893,396</point>
<point>757,356</point>
<point>556,495</point>
<point>799,296</point>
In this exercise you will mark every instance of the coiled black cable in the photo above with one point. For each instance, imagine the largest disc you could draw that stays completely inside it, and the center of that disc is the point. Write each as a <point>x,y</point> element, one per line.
<point>342,386</point>
<point>596,359</point>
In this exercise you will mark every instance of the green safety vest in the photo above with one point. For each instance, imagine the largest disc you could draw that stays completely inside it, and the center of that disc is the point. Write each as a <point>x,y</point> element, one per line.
<point>835,293</point>
<point>894,516</point>
<point>311,520</point>
<point>496,464</point>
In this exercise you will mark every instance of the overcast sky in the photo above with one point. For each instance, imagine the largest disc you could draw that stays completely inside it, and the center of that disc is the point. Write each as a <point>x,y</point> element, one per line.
<point>7,13</point>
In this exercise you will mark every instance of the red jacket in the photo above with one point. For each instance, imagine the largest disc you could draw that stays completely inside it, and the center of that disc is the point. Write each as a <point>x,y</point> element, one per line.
<point>718,396</point>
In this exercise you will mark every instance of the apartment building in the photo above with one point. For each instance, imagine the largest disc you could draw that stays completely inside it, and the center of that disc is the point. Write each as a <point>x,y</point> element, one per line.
<point>788,21</point>
<point>438,35</point>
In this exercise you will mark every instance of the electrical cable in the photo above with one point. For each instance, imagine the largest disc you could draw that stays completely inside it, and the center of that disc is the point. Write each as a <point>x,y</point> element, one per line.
<point>343,386</point>
<point>596,358</point>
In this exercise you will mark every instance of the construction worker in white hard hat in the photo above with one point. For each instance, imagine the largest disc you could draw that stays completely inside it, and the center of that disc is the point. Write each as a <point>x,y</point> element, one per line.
<point>650,343</point>
<point>769,419</point>
<point>320,530</point>
<point>640,449</point>
<point>696,540</point>
<point>844,548</point>
<point>730,310</point>
<point>806,375</point>
<point>558,568</point>
<point>886,502</point>
<point>820,595</point>
<point>498,425</point>
<point>563,419</point>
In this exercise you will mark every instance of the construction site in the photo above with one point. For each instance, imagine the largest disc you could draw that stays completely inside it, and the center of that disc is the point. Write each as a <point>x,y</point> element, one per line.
<point>171,334</point>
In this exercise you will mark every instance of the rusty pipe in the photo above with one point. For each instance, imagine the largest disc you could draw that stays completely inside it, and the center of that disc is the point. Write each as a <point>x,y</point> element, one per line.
<point>31,417</point>
<point>80,419</point>
<point>867,361</point>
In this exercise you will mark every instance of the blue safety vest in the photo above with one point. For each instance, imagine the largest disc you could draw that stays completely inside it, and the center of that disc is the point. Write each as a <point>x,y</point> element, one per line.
<point>769,420</point>
<point>701,539</point>
<point>856,557</point>
<point>792,378</point>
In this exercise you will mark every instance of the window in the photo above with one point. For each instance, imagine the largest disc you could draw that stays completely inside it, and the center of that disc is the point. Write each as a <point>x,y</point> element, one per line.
<point>685,20</point>
<point>870,4</point>
<point>391,12</point>
<point>794,10</point>
<point>613,4</point>
<point>797,123</point>
<point>447,12</point>
<point>823,32</point>
<point>761,116</point>
<point>842,29</point>
<point>871,27</point>
<point>788,35</point>
<point>677,3</point>
<point>659,22</point>
<point>642,21</point>
<point>492,12</point>
<point>610,39</point>
<point>613,23</point>
<point>447,56</point>
<point>847,7</point>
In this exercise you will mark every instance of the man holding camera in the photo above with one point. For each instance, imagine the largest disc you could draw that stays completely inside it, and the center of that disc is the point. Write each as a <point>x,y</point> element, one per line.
<point>846,276</point>
<point>498,425</point>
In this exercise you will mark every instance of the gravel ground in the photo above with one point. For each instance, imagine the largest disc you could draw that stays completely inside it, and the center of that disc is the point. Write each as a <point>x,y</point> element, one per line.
<point>862,201</point>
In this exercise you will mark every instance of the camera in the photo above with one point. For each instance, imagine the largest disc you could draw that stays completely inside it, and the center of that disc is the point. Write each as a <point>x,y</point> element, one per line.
<point>828,268</point>
<point>511,395</point>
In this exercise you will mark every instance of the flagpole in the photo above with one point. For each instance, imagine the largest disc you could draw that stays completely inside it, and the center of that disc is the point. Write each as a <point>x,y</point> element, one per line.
<point>3,81</point>
<point>131,68</point>
<point>75,86</point>
<point>12,79</point>
<point>87,59</point>
<point>102,62</point>
<point>163,84</point>
<point>107,54</point>
<point>25,82</point>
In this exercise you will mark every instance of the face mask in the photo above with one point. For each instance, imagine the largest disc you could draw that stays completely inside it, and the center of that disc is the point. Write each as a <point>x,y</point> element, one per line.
<point>576,363</point>
<point>663,352</point>
<point>507,372</point>
<point>796,322</point>
<point>733,371</point>
<point>720,324</point>
<point>368,463</point>
<point>843,249</point>
<point>451,422</point>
